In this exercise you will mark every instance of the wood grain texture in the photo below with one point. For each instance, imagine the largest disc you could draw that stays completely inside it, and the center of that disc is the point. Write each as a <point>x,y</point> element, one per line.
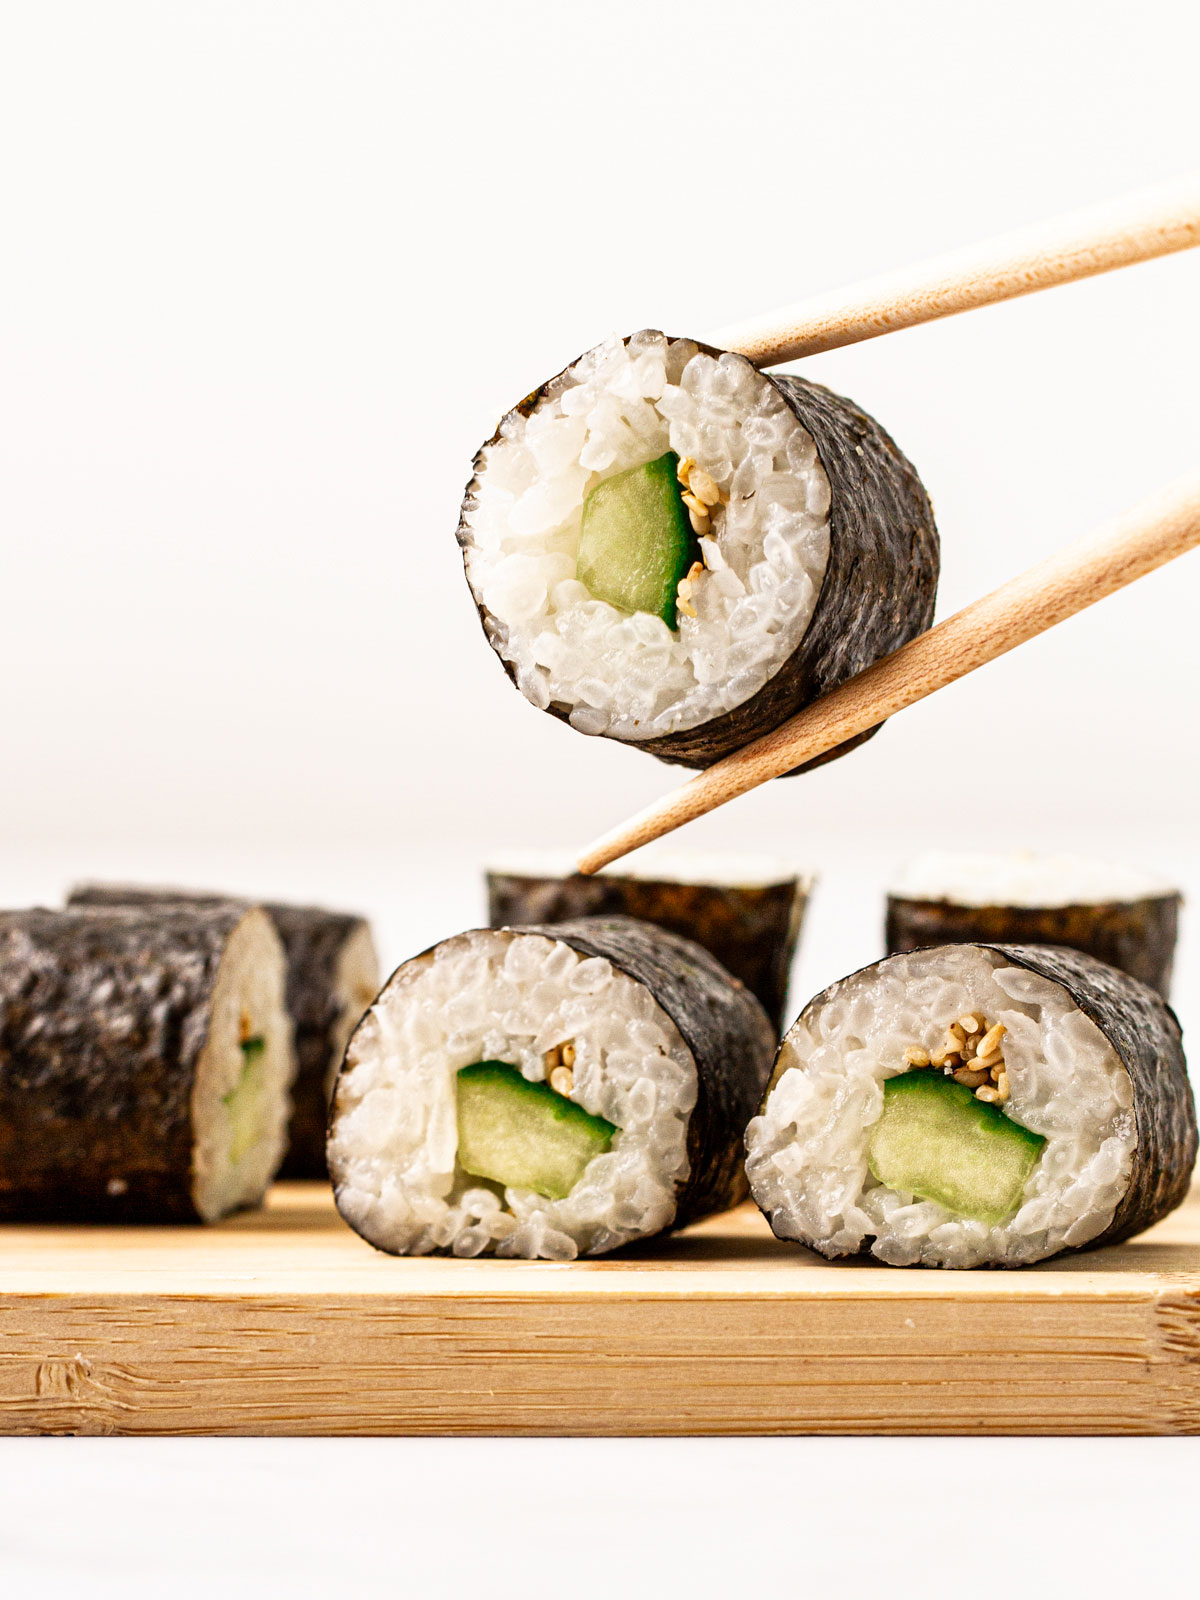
<point>284,1322</point>
<point>1147,536</point>
<point>1138,227</point>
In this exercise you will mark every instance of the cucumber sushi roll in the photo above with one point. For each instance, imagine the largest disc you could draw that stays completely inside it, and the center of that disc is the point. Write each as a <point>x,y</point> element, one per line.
<point>145,1059</point>
<point>975,1105</point>
<point>547,1092</point>
<point>332,977</point>
<point>745,911</point>
<point>1118,915</point>
<point>670,548</point>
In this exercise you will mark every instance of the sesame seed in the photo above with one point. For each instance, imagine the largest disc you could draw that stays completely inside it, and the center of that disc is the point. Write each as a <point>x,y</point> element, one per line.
<point>992,1038</point>
<point>969,1079</point>
<point>704,488</point>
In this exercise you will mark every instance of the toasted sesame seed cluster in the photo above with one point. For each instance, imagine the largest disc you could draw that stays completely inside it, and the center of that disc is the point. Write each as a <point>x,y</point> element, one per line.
<point>971,1053</point>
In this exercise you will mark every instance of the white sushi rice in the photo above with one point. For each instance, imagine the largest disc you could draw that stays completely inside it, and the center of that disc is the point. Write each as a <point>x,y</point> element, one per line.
<point>1021,879</point>
<point>247,1002</point>
<point>808,1150</point>
<point>620,406</point>
<point>500,996</point>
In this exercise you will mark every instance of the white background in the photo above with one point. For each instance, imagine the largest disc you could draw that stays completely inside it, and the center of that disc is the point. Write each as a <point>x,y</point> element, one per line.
<point>268,275</point>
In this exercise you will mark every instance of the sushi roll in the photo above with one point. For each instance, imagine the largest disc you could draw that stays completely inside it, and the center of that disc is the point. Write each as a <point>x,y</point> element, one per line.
<point>744,911</point>
<point>145,1060</point>
<point>547,1092</point>
<point>975,1105</point>
<point>332,977</point>
<point>670,548</point>
<point>1125,918</point>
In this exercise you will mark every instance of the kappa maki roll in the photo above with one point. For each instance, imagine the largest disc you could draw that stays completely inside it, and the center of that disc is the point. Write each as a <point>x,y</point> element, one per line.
<point>1120,916</point>
<point>145,1059</point>
<point>745,911</point>
<point>975,1105</point>
<point>547,1092</point>
<point>332,977</point>
<point>670,548</point>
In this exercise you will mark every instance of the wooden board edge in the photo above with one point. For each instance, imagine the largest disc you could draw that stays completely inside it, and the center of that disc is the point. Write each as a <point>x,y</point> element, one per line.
<point>533,1366</point>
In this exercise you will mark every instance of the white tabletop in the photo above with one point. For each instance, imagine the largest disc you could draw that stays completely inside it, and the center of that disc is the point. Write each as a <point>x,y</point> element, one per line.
<point>523,1518</point>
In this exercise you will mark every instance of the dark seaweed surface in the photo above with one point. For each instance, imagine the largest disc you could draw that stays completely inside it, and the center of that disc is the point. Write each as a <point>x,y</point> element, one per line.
<point>103,1015</point>
<point>313,940</point>
<point>1136,936</point>
<point>752,931</point>
<point>879,587</point>
<point>1145,1033</point>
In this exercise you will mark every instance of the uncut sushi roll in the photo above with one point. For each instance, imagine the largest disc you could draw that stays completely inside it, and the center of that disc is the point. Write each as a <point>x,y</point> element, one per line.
<point>1120,916</point>
<point>975,1105</point>
<point>745,911</point>
<point>145,1059</point>
<point>332,977</point>
<point>670,548</point>
<point>547,1092</point>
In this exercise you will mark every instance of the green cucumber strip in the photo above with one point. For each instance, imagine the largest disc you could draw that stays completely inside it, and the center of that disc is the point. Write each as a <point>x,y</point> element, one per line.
<point>524,1135</point>
<point>246,1101</point>
<point>937,1141</point>
<point>636,541</point>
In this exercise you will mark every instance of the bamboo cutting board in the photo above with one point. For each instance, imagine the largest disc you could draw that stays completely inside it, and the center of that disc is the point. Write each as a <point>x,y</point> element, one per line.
<point>284,1322</point>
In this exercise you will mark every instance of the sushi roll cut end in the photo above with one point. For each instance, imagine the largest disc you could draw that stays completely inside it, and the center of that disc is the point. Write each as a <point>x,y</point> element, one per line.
<point>539,1092</point>
<point>974,1105</point>
<point>528,1020</point>
<point>668,547</point>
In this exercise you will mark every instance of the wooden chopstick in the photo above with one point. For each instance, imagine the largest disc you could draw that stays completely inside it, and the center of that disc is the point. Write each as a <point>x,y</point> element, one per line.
<point>1139,227</point>
<point>1152,533</point>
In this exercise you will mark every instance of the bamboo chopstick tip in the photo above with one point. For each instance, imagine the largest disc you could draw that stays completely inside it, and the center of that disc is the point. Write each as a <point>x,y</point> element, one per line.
<point>590,862</point>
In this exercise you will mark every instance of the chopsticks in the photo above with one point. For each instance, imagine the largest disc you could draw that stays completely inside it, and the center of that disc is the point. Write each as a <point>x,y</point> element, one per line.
<point>1139,227</point>
<point>1153,532</point>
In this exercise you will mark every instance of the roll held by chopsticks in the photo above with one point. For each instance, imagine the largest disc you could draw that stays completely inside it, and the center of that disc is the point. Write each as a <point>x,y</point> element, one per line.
<point>670,548</point>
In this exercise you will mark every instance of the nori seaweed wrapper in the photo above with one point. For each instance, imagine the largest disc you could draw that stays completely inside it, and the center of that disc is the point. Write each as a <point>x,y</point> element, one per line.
<point>103,1016</point>
<point>1145,1033</point>
<point>313,940</point>
<point>722,1024</point>
<point>877,594</point>
<point>751,930</point>
<point>727,1031</point>
<point>1135,936</point>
